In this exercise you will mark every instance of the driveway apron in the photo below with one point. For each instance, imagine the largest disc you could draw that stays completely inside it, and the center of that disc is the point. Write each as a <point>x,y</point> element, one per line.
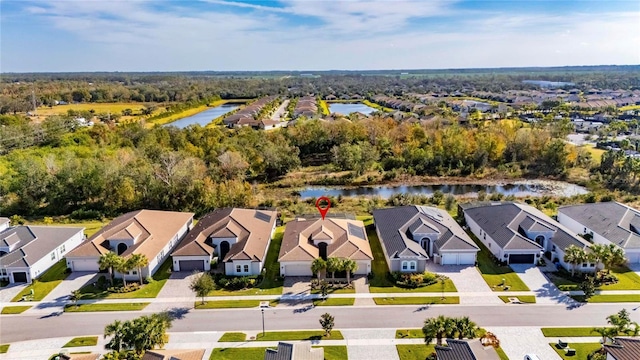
<point>364,344</point>
<point>519,341</point>
<point>10,291</point>
<point>177,286</point>
<point>546,292</point>
<point>467,279</point>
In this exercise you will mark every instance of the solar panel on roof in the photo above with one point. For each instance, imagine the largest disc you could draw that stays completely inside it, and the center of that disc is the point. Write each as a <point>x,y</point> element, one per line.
<point>356,231</point>
<point>262,216</point>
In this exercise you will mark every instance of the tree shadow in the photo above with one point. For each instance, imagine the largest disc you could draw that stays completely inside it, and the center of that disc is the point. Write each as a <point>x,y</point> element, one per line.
<point>178,313</point>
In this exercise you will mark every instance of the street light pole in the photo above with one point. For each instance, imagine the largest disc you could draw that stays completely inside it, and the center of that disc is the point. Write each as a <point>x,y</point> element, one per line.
<point>262,322</point>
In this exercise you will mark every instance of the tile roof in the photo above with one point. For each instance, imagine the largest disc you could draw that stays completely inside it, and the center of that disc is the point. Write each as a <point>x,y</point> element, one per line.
<point>153,229</point>
<point>174,354</point>
<point>624,349</point>
<point>252,228</point>
<point>507,222</point>
<point>611,220</point>
<point>348,239</point>
<point>294,351</point>
<point>397,226</point>
<point>468,349</point>
<point>31,243</point>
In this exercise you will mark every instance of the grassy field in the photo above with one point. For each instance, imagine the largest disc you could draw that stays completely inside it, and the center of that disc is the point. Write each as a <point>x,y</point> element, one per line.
<point>496,276</point>
<point>14,309</point>
<point>46,282</point>
<point>596,154</point>
<point>105,307</point>
<point>82,341</point>
<point>114,108</point>
<point>527,299</point>
<point>421,300</point>
<point>334,302</point>
<point>330,353</point>
<point>4,348</point>
<point>299,335</point>
<point>233,337</point>
<point>582,350</point>
<point>415,352</point>
<point>381,282</point>
<point>230,304</point>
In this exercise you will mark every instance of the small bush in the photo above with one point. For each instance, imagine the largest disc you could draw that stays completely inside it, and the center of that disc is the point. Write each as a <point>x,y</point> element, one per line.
<point>81,214</point>
<point>124,289</point>
<point>413,280</point>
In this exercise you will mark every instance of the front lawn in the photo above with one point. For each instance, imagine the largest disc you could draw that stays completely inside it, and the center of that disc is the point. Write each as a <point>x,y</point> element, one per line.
<point>380,283</point>
<point>15,309</point>
<point>334,302</point>
<point>335,352</point>
<point>43,285</point>
<point>499,278</point>
<point>298,335</point>
<point>582,350</point>
<point>409,334</point>
<point>149,290</point>
<point>627,280</point>
<point>233,337</point>
<point>4,348</point>
<point>527,299</point>
<point>82,341</point>
<point>415,352</point>
<point>416,300</point>
<point>229,304</point>
<point>105,307</point>
<point>568,331</point>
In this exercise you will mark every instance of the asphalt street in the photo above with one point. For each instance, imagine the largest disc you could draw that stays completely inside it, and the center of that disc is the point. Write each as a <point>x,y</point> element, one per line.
<point>22,327</point>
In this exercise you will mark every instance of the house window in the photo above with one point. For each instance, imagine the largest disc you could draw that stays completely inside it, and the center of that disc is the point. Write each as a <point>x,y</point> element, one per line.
<point>238,268</point>
<point>134,272</point>
<point>53,255</point>
<point>484,236</point>
<point>408,265</point>
<point>592,265</point>
<point>246,268</point>
<point>412,265</point>
<point>62,248</point>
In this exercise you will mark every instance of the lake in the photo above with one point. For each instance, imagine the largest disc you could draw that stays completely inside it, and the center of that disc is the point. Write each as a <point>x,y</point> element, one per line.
<point>203,118</point>
<point>517,189</point>
<point>346,109</point>
<point>544,83</point>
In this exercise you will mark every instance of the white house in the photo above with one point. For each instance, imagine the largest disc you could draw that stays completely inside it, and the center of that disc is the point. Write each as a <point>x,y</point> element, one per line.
<point>28,251</point>
<point>607,223</point>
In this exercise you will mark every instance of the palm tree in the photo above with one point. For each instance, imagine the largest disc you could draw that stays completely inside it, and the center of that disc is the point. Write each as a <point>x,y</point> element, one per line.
<point>109,261</point>
<point>607,333</point>
<point>465,328</point>
<point>349,266</point>
<point>333,265</point>
<point>117,330</point>
<point>317,266</point>
<point>139,261</point>
<point>123,267</point>
<point>75,296</point>
<point>436,328</point>
<point>574,256</point>
<point>599,252</point>
<point>614,257</point>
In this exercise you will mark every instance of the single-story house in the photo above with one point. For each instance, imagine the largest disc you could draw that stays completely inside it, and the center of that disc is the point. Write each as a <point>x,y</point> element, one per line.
<point>238,237</point>
<point>294,351</point>
<point>306,239</point>
<point>412,234</point>
<point>153,233</point>
<point>28,251</point>
<point>466,349</point>
<point>520,234</point>
<point>607,223</point>
<point>623,349</point>
<point>174,354</point>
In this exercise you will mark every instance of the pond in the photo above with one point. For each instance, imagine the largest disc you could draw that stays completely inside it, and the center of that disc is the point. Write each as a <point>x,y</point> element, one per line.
<point>346,109</point>
<point>544,83</point>
<point>517,189</point>
<point>203,118</point>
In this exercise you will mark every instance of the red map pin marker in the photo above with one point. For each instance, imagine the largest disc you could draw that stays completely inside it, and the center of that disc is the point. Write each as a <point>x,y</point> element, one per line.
<point>325,209</point>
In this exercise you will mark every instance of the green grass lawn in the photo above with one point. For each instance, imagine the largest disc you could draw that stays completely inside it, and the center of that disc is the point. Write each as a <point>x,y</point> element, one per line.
<point>568,331</point>
<point>82,341</point>
<point>15,309</point>
<point>334,302</point>
<point>233,337</point>
<point>335,352</point>
<point>149,290</point>
<point>257,353</point>
<point>298,335</point>
<point>415,352</point>
<point>409,334</point>
<point>421,300</point>
<point>229,304</point>
<point>105,307</point>
<point>493,274</point>
<point>627,280</point>
<point>4,348</point>
<point>46,282</point>
<point>90,226</point>
<point>582,350</point>
<point>380,283</point>
<point>527,299</point>
<point>609,298</point>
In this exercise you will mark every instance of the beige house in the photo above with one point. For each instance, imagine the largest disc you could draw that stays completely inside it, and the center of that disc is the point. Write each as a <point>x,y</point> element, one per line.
<point>152,233</point>
<point>307,239</point>
<point>239,238</point>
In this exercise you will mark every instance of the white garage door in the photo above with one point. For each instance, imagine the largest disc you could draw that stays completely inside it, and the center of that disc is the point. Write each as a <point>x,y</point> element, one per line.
<point>297,270</point>
<point>84,265</point>
<point>449,259</point>
<point>458,259</point>
<point>467,259</point>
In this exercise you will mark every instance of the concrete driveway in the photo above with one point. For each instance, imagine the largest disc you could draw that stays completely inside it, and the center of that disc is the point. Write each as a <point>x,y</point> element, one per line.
<point>10,291</point>
<point>467,279</point>
<point>366,344</point>
<point>74,281</point>
<point>519,341</point>
<point>176,287</point>
<point>546,292</point>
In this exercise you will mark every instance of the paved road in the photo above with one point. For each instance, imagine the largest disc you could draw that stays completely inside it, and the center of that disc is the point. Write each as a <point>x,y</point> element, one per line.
<point>14,328</point>
<point>279,113</point>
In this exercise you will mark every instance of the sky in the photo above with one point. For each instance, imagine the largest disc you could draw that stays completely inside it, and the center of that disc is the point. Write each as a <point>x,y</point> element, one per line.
<point>233,35</point>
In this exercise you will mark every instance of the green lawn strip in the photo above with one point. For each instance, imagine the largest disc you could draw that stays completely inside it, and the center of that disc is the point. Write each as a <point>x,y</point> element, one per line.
<point>380,282</point>
<point>14,309</point>
<point>298,335</point>
<point>568,331</point>
<point>105,307</point>
<point>627,280</point>
<point>409,334</point>
<point>334,302</point>
<point>149,290</point>
<point>415,352</point>
<point>582,350</point>
<point>496,276</point>
<point>229,304</point>
<point>609,298</point>
<point>334,352</point>
<point>46,282</point>
<point>336,291</point>
<point>527,299</point>
<point>4,348</point>
<point>233,337</point>
<point>82,341</point>
<point>416,300</point>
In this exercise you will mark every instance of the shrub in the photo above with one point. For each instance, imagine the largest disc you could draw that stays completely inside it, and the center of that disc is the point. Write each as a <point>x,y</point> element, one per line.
<point>124,289</point>
<point>81,214</point>
<point>413,280</point>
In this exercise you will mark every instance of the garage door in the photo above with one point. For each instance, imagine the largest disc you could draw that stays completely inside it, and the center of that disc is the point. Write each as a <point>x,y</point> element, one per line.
<point>84,265</point>
<point>297,270</point>
<point>191,265</point>
<point>449,259</point>
<point>521,259</point>
<point>459,259</point>
<point>20,277</point>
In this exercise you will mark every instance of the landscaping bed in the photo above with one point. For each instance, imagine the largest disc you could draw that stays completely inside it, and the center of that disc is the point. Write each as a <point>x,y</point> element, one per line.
<point>416,300</point>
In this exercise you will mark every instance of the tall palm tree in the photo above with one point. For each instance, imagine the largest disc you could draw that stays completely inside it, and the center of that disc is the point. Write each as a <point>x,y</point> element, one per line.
<point>599,252</point>
<point>139,261</point>
<point>614,257</point>
<point>465,328</point>
<point>574,256</point>
<point>109,261</point>
<point>123,267</point>
<point>436,328</point>
<point>349,266</point>
<point>317,266</point>
<point>333,265</point>
<point>115,329</point>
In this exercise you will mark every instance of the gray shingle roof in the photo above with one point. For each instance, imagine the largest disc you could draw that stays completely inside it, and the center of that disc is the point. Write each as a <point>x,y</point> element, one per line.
<point>611,220</point>
<point>465,350</point>
<point>32,243</point>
